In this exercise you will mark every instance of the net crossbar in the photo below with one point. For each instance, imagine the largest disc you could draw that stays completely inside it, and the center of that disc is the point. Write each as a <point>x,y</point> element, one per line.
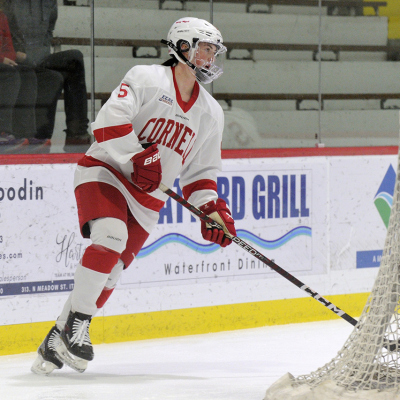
<point>368,365</point>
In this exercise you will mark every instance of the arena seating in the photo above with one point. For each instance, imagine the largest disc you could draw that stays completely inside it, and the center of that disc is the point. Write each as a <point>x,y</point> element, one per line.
<point>331,5</point>
<point>392,52</point>
<point>252,28</point>
<point>271,77</point>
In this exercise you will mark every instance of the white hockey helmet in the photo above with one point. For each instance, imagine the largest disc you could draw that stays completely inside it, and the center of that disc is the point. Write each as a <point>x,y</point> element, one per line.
<point>184,40</point>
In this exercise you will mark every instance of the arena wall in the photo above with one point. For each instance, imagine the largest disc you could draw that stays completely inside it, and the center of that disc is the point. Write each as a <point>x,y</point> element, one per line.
<point>318,213</point>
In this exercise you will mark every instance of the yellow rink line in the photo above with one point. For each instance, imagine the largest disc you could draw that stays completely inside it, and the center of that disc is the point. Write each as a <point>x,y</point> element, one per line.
<point>24,338</point>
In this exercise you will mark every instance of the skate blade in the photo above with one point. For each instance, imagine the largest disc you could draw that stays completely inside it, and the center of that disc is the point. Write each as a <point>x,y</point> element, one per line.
<point>42,367</point>
<point>76,363</point>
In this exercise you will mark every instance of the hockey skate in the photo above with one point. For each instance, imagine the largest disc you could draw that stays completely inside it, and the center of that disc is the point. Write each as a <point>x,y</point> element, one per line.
<point>75,348</point>
<point>47,361</point>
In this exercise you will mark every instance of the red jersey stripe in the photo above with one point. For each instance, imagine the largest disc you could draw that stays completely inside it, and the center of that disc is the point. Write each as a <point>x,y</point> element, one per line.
<point>112,132</point>
<point>203,184</point>
<point>143,198</point>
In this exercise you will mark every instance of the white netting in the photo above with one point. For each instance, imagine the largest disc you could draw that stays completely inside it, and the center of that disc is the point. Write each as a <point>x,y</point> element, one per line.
<point>367,366</point>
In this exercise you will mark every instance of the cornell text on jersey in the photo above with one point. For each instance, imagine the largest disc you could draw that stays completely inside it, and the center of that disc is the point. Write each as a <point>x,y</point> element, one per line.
<point>169,133</point>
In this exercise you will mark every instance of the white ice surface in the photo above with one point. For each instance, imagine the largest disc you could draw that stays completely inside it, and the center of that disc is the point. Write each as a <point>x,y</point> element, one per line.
<point>237,365</point>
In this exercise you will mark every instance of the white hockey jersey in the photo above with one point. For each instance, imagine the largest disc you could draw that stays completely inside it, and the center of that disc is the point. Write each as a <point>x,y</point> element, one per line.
<point>147,108</point>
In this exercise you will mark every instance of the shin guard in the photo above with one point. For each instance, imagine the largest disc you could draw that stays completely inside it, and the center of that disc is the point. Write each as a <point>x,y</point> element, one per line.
<point>91,276</point>
<point>110,285</point>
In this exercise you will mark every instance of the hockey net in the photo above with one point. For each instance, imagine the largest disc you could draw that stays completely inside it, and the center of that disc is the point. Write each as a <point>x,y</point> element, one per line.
<point>368,365</point>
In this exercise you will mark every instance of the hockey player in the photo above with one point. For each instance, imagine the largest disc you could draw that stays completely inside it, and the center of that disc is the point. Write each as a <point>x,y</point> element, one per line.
<point>158,123</point>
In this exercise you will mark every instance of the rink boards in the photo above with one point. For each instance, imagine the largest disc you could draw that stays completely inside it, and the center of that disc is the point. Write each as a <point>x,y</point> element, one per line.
<point>322,217</point>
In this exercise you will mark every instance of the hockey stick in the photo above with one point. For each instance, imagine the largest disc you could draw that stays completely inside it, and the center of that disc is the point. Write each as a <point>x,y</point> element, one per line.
<point>245,246</point>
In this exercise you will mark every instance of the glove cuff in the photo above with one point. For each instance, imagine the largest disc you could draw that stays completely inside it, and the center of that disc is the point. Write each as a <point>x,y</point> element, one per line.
<point>209,207</point>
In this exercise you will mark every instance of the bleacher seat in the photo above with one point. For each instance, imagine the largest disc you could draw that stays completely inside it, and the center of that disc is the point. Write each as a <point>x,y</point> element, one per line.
<point>272,76</point>
<point>277,122</point>
<point>339,128</point>
<point>282,28</point>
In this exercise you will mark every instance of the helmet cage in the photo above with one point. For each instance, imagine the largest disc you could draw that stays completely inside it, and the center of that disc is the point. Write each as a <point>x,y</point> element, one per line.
<point>204,71</point>
<point>221,49</point>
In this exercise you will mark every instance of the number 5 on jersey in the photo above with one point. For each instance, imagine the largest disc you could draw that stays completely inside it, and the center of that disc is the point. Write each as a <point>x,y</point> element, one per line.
<point>122,91</point>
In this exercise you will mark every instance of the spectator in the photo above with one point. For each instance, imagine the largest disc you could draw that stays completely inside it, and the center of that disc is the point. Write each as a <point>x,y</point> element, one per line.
<point>17,106</point>
<point>32,24</point>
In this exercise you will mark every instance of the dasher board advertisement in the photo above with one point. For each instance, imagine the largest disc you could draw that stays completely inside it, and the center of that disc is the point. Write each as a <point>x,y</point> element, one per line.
<point>308,214</point>
<point>273,211</point>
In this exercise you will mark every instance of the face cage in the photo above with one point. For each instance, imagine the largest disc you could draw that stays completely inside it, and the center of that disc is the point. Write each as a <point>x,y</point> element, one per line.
<point>214,70</point>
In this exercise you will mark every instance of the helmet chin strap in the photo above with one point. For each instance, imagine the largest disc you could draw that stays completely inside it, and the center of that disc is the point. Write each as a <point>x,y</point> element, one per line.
<point>180,54</point>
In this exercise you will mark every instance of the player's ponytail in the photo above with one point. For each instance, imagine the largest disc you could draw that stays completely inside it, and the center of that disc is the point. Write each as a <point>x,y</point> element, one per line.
<point>171,62</point>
